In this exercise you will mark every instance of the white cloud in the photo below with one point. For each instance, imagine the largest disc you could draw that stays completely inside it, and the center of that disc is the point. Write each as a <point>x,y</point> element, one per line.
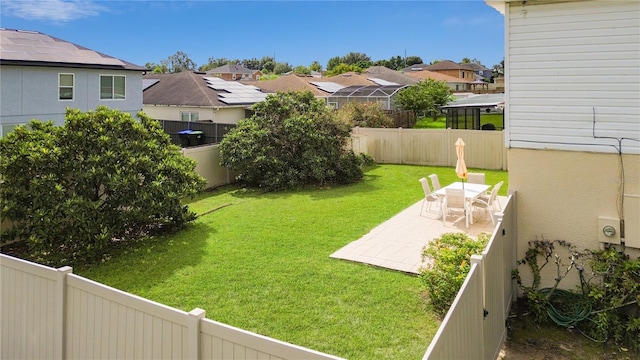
<point>53,10</point>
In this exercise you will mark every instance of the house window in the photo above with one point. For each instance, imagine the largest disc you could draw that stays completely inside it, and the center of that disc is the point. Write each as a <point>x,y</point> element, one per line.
<point>189,116</point>
<point>257,77</point>
<point>7,128</point>
<point>65,86</point>
<point>112,87</point>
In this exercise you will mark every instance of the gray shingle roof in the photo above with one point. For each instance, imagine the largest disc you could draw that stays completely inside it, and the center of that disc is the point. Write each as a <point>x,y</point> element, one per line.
<point>185,88</point>
<point>384,73</point>
<point>447,65</point>
<point>20,47</point>
<point>231,69</point>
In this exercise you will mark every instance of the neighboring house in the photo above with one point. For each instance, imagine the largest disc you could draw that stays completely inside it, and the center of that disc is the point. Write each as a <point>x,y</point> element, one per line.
<point>446,67</point>
<point>233,72</point>
<point>415,67</point>
<point>373,76</point>
<point>41,76</point>
<point>480,70</point>
<point>392,76</point>
<point>350,79</point>
<point>573,139</point>
<point>454,83</point>
<point>191,96</point>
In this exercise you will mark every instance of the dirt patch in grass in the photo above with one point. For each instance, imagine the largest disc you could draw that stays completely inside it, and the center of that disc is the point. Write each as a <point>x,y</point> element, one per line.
<point>530,341</point>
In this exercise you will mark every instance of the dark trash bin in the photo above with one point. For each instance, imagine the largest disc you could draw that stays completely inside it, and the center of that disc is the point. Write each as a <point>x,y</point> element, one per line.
<point>184,137</point>
<point>196,137</point>
<point>191,137</point>
<point>488,126</point>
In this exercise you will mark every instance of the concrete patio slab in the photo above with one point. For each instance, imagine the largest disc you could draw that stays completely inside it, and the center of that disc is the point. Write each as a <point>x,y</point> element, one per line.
<point>398,242</point>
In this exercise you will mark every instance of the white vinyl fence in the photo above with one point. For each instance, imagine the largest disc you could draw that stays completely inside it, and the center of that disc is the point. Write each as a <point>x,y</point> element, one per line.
<point>53,314</point>
<point>474,327</point>
<point>433,147</point>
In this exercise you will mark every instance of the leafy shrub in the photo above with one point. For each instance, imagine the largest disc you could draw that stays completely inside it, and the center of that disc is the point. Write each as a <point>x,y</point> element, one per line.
<point>293,139</point>
<point>365,115</point>
<point>447,262</point>
<point>70,191</point>
<point>615,295</point>
<point>607,306</point>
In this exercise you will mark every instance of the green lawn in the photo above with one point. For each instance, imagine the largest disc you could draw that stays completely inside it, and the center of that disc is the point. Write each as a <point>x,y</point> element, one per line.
<point>261,262</point>
<point>440,123</point>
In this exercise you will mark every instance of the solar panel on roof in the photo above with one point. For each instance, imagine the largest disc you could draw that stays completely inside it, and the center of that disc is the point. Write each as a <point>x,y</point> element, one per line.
<point>327,86</point>
<point>147,83</point>
<point>235,92</point>
<point>382,81</point>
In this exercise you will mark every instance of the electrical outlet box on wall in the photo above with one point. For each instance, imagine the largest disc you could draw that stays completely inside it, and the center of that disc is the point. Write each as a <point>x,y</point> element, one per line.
<point>631,211</point>
<point>608,230</point>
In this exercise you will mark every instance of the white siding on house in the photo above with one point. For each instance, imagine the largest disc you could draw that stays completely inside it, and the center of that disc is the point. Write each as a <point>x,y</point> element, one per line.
<point>568,64</point>
<point>31,92</point>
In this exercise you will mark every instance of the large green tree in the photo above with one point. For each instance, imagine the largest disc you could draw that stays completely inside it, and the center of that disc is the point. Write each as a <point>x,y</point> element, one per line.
<point>215,63</point>
<point>71,191</point>
<point>343,68</point>
<point>353,58</point>
<point>413,60</point>
<point>497,70</point>
<point>315,66</point>
<point>281,68</point>
<point>293,139</point>
<point>179,62</point>
<point>424,97</point>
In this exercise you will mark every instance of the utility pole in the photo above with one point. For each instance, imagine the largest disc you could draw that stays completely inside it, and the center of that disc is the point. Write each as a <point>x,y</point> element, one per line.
<point>405,58</point>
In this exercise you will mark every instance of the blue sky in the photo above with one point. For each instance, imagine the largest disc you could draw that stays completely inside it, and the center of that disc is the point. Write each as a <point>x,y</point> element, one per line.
<point>297,32</point>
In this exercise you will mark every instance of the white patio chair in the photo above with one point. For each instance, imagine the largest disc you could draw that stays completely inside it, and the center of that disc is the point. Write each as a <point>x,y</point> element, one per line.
<point>495,203</point>
<point>488,204</point>
<point>435,182</point>
<point>475,178</point>
<point>454,200</point>
<point>429,197</point>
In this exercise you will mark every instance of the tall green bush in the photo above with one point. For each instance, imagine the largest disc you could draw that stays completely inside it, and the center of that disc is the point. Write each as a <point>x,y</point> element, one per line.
<point>365,115</point>
<point>70,191</point>
<point>293,139</point>
<point>447,262</point>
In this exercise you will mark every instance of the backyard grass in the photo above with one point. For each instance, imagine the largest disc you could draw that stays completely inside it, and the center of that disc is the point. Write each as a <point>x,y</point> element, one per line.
<point>440,122</point>
<point>260,261</point>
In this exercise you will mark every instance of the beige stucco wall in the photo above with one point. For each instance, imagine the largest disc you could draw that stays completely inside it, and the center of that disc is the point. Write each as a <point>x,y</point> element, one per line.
<point>561,194</point>
<point>230,115</point>
<point>207,160</point>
